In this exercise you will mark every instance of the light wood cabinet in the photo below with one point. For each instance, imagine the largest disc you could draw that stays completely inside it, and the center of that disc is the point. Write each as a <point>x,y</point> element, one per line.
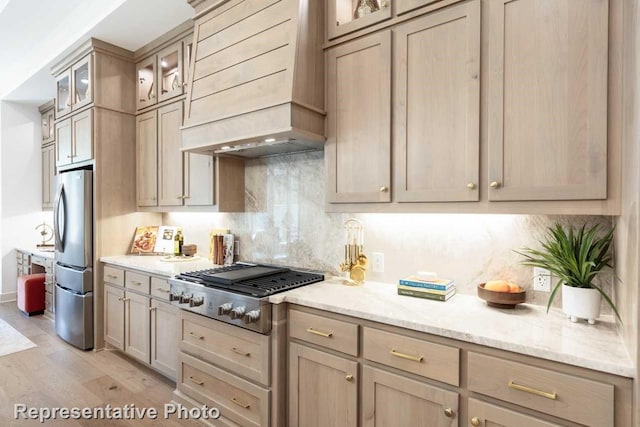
<point>170,71</point>
<point>63,93</point>
<point>393,400</point>
<point>145,83</point>
<point>485,414</point>
<point>82,84</point>
<point>547,106</point>
<point>358,148</point>
<point>147,158</point>
<point>137,326</point>
<point>164,342</point>
<point>341,16</point>
<point>64,143</point>
<point>74,139</point>
<point>48,175</point>
<point>199,179</point>
<point>47,118</point>
<point>170,166</point>
<point>436,106</point>
<point>323,389</point>
<point>114,316</point>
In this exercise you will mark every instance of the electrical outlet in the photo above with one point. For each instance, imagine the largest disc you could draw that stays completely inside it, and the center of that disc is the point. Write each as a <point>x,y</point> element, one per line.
<point>541,279</point>
<point>378,262</point>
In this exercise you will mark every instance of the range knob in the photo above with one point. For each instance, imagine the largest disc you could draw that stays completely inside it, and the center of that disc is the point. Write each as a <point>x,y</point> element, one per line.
<point>237,312</point>
<point>225,309</point>
<point>174,297</point>
<point>252,316</point>
<point>196,301</point>
<point>185,299</point>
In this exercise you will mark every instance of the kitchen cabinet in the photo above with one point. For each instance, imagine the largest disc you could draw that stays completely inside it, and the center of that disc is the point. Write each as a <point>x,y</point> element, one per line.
<point>47,118</point>
<point>485,414</point>
<point>145,83</point>
<point>547,100</point>
<point>342,19</point>
<point>147,158</point>
<point>63,93</point>
<point>48,175</point>
<point>74,139</point>
<point>164,343</point>
<point>358,147</point>
<point>114,316</point>
<point>161,76</point>
<point>74,87</point>
<point>170,165</point>
<point>171,71</point>
<point>187,50</point>
<point>436,106</point>
<point>323,388</point>
<point>137,326</point>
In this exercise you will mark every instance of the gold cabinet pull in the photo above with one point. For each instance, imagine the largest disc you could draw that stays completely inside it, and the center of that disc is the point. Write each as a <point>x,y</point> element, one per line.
<point>120,299</point>
<point>240,403</point>
<point>349,378</point>
<point>494,184</point>
<point>513,385</point>
<point>322,334</point>
<point>135,282</point>
<point>384,4</point>
<point>448,412</point>
<point>475,421</point>
<point>112,276</point>
<point>471,186</point>
<point>384,189</point>
<point>196,381</point>
<point>163,290</point>
<point>241,353</point>
<point>406,356</point>
<point>200,337</point>
<point>152,308</point>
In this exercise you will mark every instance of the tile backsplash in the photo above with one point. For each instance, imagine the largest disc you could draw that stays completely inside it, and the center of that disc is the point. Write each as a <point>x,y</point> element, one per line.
<point>285,223</point>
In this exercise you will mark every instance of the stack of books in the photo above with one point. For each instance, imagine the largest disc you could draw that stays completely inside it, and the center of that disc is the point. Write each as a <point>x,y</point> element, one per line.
<point>435,289</point>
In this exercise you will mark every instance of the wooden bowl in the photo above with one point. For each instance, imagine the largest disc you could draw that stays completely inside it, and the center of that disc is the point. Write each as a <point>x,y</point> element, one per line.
<point>501,299</point>
<point>189,250</point>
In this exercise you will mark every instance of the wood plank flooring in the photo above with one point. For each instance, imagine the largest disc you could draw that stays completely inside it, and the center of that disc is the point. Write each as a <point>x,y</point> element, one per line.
<point>55,374</point>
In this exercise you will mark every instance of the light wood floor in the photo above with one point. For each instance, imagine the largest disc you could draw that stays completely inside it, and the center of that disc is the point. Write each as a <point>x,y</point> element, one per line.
<point>55,374</point>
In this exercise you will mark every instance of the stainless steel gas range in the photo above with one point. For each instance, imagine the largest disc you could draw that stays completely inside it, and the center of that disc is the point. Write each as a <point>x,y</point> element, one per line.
<point>238,294</point>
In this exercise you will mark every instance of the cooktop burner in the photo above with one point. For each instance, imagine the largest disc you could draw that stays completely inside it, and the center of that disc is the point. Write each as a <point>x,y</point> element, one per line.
<point>250,279</point>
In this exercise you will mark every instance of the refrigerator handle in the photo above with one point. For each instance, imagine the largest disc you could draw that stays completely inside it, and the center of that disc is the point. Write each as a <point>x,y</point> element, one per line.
<point>56,218</point>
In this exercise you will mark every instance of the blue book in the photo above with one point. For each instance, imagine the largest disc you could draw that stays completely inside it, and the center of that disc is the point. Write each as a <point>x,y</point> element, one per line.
<point>437,284</point>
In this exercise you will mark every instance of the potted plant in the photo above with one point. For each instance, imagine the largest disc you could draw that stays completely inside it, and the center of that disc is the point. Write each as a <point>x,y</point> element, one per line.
<point>576,258</point>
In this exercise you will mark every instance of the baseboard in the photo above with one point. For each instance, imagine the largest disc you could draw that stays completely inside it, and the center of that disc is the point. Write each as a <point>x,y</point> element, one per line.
<point>8,297</point>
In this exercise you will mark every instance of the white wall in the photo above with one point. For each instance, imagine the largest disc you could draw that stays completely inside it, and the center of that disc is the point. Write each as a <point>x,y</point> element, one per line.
<point>20,183</point>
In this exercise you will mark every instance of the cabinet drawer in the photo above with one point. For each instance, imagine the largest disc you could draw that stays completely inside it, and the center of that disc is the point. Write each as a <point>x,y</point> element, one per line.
<point>160,288</point>
<point>19,258</point>
<point>25,259</point>
<point>136,281</point>
<point>113,275</point>
<point>566,396</point>
<point>243,352</point>
<point>335,334</point>
<point>435,361</point>
<point>238,400</point>
<point>48,286</point>
<point>48,264</point>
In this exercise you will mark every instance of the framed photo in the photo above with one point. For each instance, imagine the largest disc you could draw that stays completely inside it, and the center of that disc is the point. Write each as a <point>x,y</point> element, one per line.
<point>165,242</point>
<point>144,239</point>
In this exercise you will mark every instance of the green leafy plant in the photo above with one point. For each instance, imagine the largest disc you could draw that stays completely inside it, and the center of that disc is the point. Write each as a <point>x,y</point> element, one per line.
<point>575,257</point>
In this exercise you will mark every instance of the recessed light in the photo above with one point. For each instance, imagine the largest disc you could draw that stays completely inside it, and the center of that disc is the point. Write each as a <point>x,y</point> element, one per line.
<point>270,140</point>
<point>164,63</point>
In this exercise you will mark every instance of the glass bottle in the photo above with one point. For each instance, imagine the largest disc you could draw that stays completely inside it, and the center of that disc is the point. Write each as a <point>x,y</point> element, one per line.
<point>178,241</point>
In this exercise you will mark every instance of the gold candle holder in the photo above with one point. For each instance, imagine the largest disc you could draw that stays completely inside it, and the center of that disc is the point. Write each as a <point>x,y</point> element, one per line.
<point>355,261</point>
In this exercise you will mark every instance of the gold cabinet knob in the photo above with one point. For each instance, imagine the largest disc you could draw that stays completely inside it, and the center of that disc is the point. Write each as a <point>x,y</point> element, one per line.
<point>471,186</point>
<point>448,412</point>
<point>349,378</point>
<point>475,422</point>
<point>494,184</point>
<point>384,4</point>
<point>384,189</point>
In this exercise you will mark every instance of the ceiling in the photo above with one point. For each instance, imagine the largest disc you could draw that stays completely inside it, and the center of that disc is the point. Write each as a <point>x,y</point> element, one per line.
<point>36,33</point>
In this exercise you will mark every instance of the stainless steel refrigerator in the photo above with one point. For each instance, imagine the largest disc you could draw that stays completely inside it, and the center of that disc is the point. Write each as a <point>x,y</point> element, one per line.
<point>73,229</point>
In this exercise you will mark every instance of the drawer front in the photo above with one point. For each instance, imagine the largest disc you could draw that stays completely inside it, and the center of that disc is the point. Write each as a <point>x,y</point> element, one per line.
<point>435,361</point>
<point>565,396</point>
<point>113,275</point>
<point>48,264</point>
<point>48,286</point>
<point>160,288</point>
<point>25,259</point>
<point>19,258</point>
<point>331,333</point>
<point>136,282</point>
<point>243,352</point>
<point>238,400</point>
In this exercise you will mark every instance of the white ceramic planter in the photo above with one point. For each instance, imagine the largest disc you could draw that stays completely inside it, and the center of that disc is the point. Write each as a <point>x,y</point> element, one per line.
<point>581,303</point>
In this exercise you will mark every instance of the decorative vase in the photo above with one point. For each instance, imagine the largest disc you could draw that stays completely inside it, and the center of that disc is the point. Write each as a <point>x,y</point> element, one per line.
<point>581,303</point>
<point>365,7</point>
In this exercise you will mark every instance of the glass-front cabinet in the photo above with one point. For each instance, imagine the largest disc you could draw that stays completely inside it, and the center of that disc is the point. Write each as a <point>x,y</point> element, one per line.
<point>46,122</point>
<point>187,49</point>
<point>146,72</point>
<point>82,91</point>
<point>63,93</point>
<point>346,16</point>
<point>170,77</point>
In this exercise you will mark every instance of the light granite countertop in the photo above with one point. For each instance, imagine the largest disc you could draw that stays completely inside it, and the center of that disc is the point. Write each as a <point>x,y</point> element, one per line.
<point>154,264</point>
<point>527,329</point>
<point>38,252</point>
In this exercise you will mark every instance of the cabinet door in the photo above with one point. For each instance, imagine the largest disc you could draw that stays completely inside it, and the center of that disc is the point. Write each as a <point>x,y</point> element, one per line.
<point>63,143</point>
<point>114,316</point>
<point>437,106</point>
<point>146,72</point>
<point>46,121</point>
<point>164,337</point>
<point>547,107</point>
<point>136,330</point>
<point>358,149</point>
<point>392,400</point>
<point>170,72</point>
<point>48,175</point>
<point>170,167</point>
<point>485,414</point>
<point>323,389</point>
<point>198,179</point>
<point>81,77</point>
<point>82,132</point>
<point>187,50</point>
<point>63,93</point>
<point>342,15</point>
<point>147,158</point>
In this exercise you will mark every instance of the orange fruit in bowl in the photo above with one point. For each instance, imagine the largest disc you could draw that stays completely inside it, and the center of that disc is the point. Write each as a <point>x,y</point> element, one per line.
<point>498,286</point>
<point>513,288</point>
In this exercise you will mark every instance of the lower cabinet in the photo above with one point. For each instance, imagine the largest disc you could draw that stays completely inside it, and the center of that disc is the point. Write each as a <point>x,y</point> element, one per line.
<point>141,323</point>
<point>323,389</point>
<point>485,414</point>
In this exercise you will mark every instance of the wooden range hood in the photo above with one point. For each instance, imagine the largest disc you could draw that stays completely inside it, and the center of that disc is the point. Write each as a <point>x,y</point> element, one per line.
<point>256,79</point>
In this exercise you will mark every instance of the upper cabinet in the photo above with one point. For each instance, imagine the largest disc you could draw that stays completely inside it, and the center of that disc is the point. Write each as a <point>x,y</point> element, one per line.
<point>346,16</point>
<point>170,72</point>
<point>63,93</point>
<point>47,119</point>
<point>146,83</point>
<point>48,165</point>
<point>547,109</point>
<point>74,87</point>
